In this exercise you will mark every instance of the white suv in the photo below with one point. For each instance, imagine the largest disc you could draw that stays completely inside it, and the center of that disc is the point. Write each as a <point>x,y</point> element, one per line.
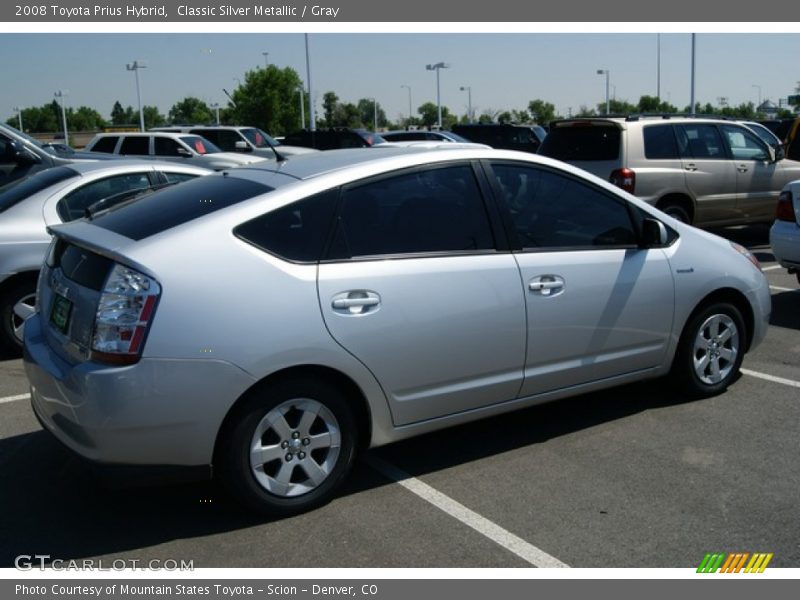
<point>708,172</point>
<point>178,147</point>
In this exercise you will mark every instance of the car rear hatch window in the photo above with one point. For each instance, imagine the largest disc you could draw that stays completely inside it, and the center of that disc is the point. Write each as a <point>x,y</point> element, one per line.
<point>177,205</point>
<point>579,141</point>
<point>16,191</point>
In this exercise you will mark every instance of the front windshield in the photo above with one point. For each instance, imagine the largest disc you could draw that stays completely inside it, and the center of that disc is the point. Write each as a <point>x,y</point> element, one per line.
<point>259,138</point>
<point>200,144</point>
<point>765,134</point>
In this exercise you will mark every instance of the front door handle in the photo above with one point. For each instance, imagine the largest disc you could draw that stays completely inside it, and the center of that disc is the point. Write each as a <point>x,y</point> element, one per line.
<point>691,167</point>
<point>742,168</point>
<point>547,285</point>
<point>356,302</point>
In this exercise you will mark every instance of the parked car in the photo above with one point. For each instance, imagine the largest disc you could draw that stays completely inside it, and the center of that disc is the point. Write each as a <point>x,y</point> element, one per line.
<point>178,147</point>
<point>378,296</point>
<point>22,155</point>
<point>784,236</point>
<point>422,135</point>
<point>335,138</point>
<point>233,138</point>
<point>60,194</point>
<point>525,138</point>
<point>707,172</point>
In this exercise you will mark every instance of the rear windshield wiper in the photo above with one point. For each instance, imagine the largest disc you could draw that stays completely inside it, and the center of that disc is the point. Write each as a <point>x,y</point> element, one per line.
<point>121,198</point>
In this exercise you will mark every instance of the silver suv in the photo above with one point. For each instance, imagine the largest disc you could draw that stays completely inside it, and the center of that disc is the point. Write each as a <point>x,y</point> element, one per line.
<point>707,172</point>
<point>303,311</point>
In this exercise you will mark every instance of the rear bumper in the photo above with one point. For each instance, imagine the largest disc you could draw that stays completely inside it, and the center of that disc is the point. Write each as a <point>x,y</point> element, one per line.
<point>156,413</point>
<point>784,237</point>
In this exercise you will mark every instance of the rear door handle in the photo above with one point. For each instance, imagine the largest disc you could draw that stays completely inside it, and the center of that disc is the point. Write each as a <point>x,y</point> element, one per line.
<point>742,168</point>
<point>691,167</point>
<point>356,302</point>
<point>546,285</point>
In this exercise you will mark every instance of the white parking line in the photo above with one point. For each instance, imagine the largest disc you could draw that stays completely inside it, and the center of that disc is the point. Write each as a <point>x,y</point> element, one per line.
<point>14,398</point>
<point>503,537</point>
<point>772,378</point>
<point>771,268</point>
<point>778,288</point>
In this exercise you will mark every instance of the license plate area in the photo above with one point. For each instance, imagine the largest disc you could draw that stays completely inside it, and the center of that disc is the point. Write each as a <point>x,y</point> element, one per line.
<point>60,313</point>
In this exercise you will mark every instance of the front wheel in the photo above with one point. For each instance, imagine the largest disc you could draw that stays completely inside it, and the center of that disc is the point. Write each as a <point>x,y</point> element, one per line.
<point>710,351</point>
<point>289,447</point>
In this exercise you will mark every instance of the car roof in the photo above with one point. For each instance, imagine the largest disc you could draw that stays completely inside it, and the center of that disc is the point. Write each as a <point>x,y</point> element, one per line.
<point>86,167</point>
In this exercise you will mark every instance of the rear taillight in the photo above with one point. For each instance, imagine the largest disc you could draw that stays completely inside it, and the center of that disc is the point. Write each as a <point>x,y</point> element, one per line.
<point>126,307</point>
<point>624,178</point>
<point>784,210</point>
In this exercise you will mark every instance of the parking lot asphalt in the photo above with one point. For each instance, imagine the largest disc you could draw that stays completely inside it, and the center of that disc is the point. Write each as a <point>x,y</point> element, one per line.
<point>629,477</point>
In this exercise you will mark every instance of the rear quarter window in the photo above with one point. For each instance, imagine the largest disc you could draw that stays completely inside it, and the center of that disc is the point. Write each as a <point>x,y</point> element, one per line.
<point>106,144</point>
<point>582,143</point>
<point>659,142</point>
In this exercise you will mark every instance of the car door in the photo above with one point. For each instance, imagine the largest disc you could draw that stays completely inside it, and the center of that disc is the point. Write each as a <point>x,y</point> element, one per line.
<point>710,174</point>
<point>758,180</point>
<point>414,287</point>
<point>597,305</point>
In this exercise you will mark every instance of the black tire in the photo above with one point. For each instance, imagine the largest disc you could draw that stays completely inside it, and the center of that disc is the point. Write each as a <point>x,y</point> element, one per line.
<point>676,211</point>
<point>693,369</point>
<point>283,485</point>
<point>24,291</point>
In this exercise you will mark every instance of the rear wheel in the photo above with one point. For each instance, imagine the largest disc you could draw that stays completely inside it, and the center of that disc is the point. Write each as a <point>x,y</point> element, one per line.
<point>16,305</point>
<point>710,351</point>
<point>289,447</point>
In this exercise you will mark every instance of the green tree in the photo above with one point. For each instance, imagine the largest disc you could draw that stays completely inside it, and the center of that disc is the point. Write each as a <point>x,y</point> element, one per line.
<point>190,111</point>
<point>617,107</point>
<point>505,117</point>
<point>123,116</point>
<point>152,117</point>
<point>329,103</point>
<point>84,119</point>
<point>268,99</point>
<point>541,111</point>
<point>429,116</point>
<point>366,112</point>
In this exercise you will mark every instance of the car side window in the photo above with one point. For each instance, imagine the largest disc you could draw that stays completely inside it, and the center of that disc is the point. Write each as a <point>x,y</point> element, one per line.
<point>73,205</point>
<point>699,140</point>
<point>297,231</point>
<point>743,144</point>
<point>550,210</point>
<point>659,142</point>
<point>106,144</point>
<point>422,211</point>
<point>178,177</point>
<point>163,146</point>
<point>139,144</point>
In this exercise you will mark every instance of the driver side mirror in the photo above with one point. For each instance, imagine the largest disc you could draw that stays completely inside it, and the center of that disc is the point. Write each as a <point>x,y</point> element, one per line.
<point>184,153</point>
<point>241,146</point>
<point>654,233</point>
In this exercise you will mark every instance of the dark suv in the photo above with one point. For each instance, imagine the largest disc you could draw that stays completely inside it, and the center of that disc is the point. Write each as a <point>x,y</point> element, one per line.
<point>526,138</point>
<point>331,139</point>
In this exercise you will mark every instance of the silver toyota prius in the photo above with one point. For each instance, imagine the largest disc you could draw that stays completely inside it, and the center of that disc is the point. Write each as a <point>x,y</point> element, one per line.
<point>273,320</point>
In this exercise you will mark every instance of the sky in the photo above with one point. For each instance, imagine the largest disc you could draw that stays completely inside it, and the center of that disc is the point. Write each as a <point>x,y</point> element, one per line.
<point>504,70</point>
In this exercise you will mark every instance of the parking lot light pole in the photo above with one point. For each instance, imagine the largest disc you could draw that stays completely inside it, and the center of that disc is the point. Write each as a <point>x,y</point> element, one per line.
<point>468,89</point>
<point>607,73</point>
<point>438,67</point>
<point>215,107</point>
<point>374,115</point>
<point>302,107</point>
<point>18,110</point>
<point>60,94</point>
<point>312,116</point>
<point>758,87</point>
<point>135,66</point>
<point>408,87</point>
<point>266,59</point>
